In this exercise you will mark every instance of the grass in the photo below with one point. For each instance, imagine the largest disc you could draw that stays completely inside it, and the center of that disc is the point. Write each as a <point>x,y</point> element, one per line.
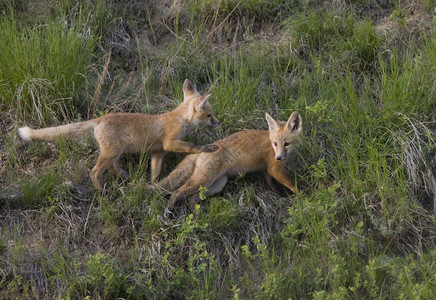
<point>41,77</point>
<point>363,223</point>
<point>45,77</point>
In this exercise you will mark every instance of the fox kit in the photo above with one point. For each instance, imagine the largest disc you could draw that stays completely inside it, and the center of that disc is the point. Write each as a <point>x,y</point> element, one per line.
<point>242,152</point>
<point>118,133</point>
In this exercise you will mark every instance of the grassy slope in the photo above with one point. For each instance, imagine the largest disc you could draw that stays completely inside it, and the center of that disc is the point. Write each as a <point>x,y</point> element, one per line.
<point>361,74</point>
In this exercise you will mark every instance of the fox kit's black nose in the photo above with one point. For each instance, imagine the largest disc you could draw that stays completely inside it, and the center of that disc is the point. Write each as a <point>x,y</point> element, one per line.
<point>278,157</point>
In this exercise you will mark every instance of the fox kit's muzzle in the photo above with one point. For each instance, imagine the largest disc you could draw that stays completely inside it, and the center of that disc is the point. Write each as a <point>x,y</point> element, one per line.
<point>214,121</point>
<point>279,155</point>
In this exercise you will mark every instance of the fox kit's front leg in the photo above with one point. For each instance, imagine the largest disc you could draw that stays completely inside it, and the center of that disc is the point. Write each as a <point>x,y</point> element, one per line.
<point>187,147</point>
<point>277,171</point>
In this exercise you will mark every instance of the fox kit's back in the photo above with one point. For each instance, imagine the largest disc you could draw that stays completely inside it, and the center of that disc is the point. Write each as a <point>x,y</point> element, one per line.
<point>246,150</point>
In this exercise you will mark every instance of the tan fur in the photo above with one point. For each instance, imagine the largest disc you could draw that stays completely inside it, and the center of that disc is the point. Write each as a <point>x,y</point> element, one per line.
<point>242,152</point>
<point>118,133</point>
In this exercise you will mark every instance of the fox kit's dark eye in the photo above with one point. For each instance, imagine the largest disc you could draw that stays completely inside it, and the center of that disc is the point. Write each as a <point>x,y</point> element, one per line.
<point>209,115</point>
<point>275,144</point>
<point>286,144</point>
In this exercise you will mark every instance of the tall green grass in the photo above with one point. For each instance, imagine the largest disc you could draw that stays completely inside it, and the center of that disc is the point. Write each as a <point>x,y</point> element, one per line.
<point>44,68</point>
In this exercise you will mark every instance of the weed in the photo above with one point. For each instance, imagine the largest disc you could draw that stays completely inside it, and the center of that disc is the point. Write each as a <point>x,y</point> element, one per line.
<point>103,278</point>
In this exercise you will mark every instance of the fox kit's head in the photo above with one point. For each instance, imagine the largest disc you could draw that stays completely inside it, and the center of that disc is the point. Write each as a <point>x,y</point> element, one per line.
<point>284,135</point>
<point>200,109</point>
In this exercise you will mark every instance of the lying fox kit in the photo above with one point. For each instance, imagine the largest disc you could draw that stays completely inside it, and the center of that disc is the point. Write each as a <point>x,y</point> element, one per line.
<point>119,133</point>
<point>243,152</point>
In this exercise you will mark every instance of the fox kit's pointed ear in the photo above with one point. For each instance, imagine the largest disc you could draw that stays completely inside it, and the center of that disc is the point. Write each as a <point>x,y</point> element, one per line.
<point>272,124</point>
<point>200,106</point>
<point>295,123</point>
<point>188,88</point>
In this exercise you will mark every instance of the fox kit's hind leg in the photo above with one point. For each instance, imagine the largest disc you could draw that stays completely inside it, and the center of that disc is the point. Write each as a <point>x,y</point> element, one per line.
<point>116,169</point>
<point>216,187</point>
<point>179,175</point>
<point>110,152</point>
<point>106,159</point>
<point>192,185</point>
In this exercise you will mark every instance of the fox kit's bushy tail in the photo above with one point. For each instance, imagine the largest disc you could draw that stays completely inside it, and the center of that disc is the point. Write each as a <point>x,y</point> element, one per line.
<point>51,133</point>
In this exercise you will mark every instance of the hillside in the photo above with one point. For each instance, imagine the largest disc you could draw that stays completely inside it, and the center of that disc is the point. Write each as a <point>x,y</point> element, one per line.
<point>361,74</point>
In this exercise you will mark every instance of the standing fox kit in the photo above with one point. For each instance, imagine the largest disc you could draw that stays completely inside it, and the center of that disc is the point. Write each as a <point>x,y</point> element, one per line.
<point>119,133</point>
<point>243,152</point>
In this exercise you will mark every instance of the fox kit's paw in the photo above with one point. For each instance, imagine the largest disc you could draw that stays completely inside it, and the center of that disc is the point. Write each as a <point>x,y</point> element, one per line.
<point>209,148</point>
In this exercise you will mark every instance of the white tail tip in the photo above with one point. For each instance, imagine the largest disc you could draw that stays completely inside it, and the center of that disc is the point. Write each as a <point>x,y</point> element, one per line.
<point>24,133</point>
